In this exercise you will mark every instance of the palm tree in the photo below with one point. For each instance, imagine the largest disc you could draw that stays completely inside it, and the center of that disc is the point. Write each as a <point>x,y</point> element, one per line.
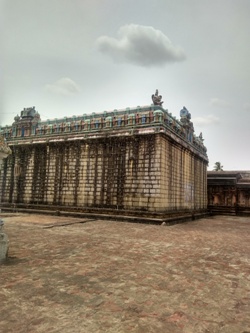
<point>218,166</point>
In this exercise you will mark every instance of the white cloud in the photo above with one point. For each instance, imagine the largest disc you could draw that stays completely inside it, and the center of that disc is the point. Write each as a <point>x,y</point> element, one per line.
<point>219,103</point>
<point>63,86</point>
<point>206,120</point>
<point>140,45</point>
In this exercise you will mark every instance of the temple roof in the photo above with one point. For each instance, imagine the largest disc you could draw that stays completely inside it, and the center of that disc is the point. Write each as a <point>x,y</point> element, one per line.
<point>127,121</point>
<point>240,178</point>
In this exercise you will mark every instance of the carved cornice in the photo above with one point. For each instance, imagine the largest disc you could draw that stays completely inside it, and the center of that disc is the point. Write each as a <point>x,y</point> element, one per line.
<point>130,121</point>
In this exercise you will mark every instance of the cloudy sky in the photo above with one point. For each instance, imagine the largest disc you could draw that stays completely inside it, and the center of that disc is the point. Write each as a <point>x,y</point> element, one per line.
<point>70,57</point>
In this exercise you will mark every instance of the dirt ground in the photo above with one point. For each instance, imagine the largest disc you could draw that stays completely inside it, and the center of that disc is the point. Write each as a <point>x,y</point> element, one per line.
<point>73,275</point>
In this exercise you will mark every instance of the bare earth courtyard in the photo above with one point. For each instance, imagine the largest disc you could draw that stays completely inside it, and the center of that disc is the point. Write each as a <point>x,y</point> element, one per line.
<point>66,276</point>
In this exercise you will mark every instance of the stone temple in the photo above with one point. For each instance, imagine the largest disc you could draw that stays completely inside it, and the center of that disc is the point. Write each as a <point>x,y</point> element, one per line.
<point>140,159</point>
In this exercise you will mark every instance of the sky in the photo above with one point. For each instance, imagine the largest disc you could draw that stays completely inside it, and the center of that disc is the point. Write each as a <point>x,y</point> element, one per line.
<point>74,57</point>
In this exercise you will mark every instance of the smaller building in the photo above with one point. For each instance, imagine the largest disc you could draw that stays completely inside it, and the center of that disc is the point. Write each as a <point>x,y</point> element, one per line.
<point>229,191</point>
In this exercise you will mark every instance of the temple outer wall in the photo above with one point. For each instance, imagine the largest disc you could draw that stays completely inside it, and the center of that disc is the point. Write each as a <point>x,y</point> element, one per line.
<point>149,172</point>
<point>183,178</point>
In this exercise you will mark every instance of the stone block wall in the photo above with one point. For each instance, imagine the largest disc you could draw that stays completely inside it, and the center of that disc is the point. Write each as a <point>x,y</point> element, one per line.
<point>183,178</point>
<point>141,172</point>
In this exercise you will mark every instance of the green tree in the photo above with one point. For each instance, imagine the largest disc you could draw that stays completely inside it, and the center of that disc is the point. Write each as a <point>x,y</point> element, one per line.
<point>218,166</point>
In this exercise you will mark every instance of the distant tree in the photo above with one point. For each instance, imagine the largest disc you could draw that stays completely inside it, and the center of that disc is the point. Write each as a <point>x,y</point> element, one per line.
<point>218,166</point>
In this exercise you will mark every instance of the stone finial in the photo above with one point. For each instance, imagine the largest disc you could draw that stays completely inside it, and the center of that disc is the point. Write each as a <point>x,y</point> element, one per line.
<point>156,98</point>
<point>17,118</point>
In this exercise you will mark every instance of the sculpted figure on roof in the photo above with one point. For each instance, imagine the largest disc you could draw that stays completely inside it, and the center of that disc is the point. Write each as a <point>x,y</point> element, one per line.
<point>184,113</point>
<point>156,98</point>
<point>4,148</point>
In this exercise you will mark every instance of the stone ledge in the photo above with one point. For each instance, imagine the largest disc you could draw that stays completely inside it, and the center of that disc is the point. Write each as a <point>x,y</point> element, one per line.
<point>167,219</point>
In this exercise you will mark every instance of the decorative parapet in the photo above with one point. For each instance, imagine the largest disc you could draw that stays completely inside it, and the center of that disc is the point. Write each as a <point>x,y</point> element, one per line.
<point>138,120</point>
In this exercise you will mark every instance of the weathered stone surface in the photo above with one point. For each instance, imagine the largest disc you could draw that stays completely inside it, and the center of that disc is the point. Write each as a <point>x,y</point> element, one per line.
<point>4,245</point>
<point>64,276</point>
<point>4,149</point>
